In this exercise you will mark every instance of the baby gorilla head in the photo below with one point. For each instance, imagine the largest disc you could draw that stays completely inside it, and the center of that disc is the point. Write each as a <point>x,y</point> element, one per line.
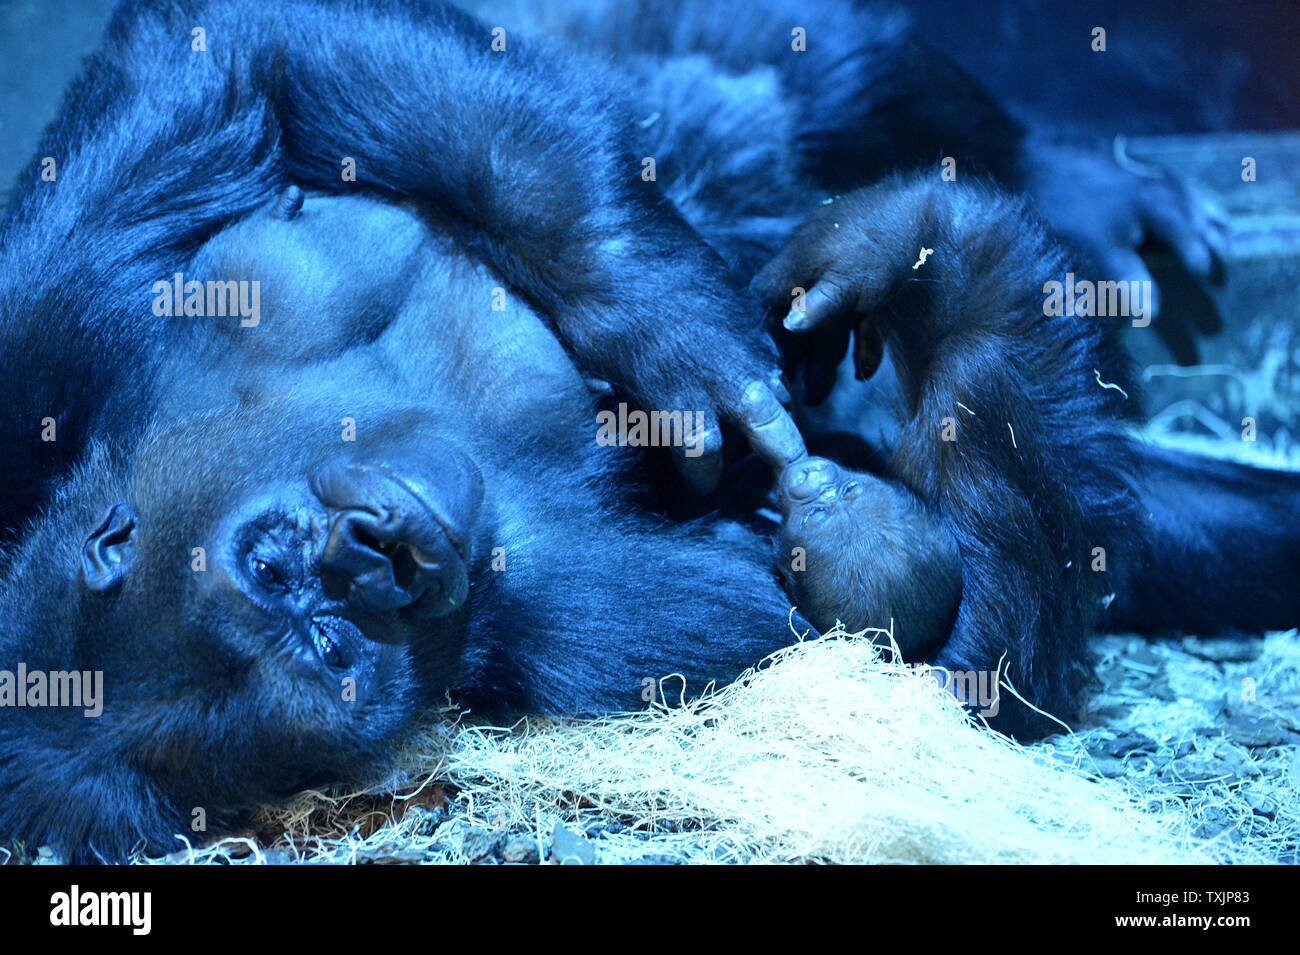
<point>265,613</point>
<point>866,553</point>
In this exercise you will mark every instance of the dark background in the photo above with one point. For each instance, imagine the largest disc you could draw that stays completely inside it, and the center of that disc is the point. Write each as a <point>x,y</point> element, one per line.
<point>1170,65</point>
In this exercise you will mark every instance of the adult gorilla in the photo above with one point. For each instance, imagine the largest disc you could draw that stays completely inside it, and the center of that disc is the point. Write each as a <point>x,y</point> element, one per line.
<point>281,541</point>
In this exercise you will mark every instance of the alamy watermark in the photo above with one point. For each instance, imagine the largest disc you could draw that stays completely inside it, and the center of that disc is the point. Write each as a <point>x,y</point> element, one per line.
<point>76,907</point>
<point>83,689</point>
<point>211,299</point>
<point>651,429</point>
<point>1125,299</point>
<point>977,689</point>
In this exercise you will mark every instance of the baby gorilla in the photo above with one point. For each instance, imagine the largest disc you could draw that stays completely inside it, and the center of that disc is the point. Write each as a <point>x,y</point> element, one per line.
<point>864,552</point>
<point>1016,514</point>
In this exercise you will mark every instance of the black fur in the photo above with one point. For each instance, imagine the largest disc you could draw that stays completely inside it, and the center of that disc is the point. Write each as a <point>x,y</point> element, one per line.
<point>519,169</point>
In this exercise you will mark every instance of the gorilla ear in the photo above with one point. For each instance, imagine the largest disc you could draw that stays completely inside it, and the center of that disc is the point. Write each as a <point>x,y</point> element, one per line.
<point>109,550</point>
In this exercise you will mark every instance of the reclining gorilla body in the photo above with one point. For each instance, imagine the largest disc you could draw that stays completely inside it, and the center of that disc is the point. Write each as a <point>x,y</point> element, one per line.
<point>473,538</point>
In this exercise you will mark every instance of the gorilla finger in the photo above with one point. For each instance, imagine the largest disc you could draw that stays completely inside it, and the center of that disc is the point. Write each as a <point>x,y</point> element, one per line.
<point>829,297</point>
<point>1215,212</point>
<point>776,282</point>
<point>1127,265</point>
<point>777,384</point>
<point>769,427</point>
<point>1216,237</point>
<point>699,456</point>
<point>1181,342</point>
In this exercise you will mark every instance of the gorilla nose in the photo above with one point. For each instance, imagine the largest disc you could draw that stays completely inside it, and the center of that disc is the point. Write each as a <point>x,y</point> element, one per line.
<point>397,537</point>
<point>377,562</point>
<point>808,479</point>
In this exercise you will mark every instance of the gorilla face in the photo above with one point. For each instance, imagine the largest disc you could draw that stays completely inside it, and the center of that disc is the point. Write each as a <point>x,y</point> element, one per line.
<point>340,569</point>
<point>267,613</point>
<point>870,555</point>
<point>373,546</point>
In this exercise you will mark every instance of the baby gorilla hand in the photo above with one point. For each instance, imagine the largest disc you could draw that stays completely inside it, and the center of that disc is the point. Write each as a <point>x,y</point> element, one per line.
<point>865,552</point>
<point>840,275</point>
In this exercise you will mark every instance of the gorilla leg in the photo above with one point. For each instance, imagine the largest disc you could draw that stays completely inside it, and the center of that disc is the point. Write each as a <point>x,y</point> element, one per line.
<point>1220,548</point>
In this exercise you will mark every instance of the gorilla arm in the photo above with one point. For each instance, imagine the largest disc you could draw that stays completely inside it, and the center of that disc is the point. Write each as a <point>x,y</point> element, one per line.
<point>1008,440</point>
<point>162,144</point>
<point>872,97</point>
<point>538,177</point>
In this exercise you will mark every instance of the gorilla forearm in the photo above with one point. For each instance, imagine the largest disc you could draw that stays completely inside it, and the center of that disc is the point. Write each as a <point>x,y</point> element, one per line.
<point>545,191</point>
<point>600,645</point>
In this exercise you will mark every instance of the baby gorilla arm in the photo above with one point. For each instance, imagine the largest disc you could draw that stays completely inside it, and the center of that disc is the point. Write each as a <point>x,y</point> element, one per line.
<point>1008,439</point>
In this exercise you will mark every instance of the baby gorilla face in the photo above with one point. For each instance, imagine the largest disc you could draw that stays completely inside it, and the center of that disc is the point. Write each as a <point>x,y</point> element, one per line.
<point>866,553</point>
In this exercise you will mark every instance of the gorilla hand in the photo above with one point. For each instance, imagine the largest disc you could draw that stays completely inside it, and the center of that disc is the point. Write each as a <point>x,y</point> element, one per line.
<point>1107,211</point>
<point>838,268</point>
<point>712,365</point>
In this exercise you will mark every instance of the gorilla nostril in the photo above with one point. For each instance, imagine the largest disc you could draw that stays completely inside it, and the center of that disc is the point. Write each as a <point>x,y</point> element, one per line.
<point>410,573</point>
<point>381,561</point>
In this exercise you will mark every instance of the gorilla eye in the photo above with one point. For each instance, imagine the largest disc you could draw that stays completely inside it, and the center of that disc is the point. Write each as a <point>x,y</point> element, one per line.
<point>264,572</point>
<point>330,652</point>
<point>323,631</point>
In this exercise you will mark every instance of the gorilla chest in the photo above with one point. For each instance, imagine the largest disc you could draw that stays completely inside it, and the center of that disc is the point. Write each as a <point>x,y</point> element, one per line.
<point>367,297</point>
